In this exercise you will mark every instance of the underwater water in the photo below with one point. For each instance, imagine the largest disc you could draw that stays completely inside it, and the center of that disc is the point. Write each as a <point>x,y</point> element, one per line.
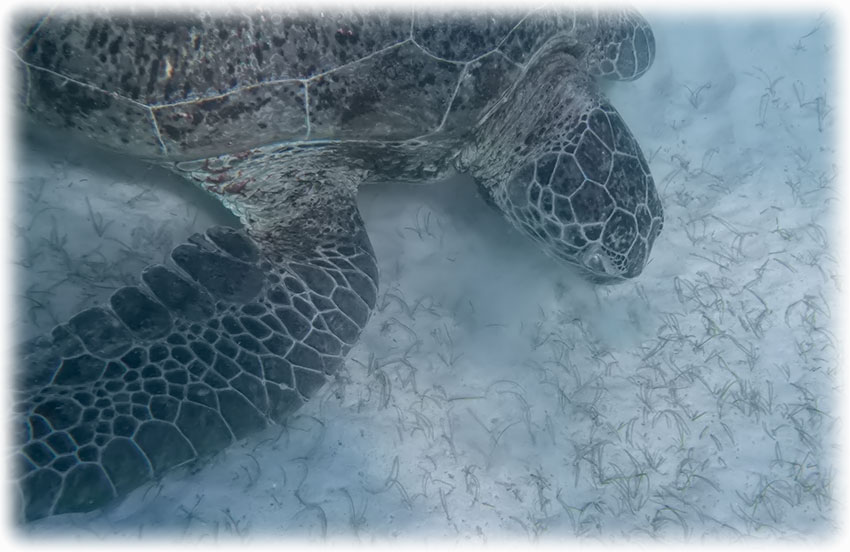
<point>494,394</point>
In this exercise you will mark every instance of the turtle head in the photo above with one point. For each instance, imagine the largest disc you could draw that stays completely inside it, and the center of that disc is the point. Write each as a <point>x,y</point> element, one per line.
<point>588,199</point>
<point>622,48</point>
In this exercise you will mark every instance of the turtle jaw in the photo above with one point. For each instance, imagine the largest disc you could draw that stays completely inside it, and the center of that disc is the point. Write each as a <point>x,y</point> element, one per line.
<point>594,263</point>
<point>598,267</point>
<point>602,279</point>
<point>593,260</point>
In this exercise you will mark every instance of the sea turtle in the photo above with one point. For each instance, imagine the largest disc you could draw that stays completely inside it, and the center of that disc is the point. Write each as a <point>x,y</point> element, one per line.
<point>281,115</point>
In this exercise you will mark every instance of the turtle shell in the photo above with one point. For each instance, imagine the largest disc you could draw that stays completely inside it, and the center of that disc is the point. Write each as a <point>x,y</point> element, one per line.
<point>194,85</point>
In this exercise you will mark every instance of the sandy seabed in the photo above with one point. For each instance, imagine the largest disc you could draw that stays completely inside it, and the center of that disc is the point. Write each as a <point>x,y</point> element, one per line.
<point>496,396</point>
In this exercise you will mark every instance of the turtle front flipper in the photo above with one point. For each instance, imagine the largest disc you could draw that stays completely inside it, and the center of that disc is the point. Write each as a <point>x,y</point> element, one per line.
<point>239,331</point>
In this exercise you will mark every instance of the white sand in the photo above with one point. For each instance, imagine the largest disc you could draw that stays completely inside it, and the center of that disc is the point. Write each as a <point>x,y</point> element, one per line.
<point>493,395</point>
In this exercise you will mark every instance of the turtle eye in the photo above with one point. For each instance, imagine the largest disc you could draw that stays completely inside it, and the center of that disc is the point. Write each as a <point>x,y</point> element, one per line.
<point>594,263</point>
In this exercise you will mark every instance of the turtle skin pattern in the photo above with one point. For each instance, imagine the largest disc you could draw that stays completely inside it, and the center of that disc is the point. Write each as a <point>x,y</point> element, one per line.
<point>176,369</point>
